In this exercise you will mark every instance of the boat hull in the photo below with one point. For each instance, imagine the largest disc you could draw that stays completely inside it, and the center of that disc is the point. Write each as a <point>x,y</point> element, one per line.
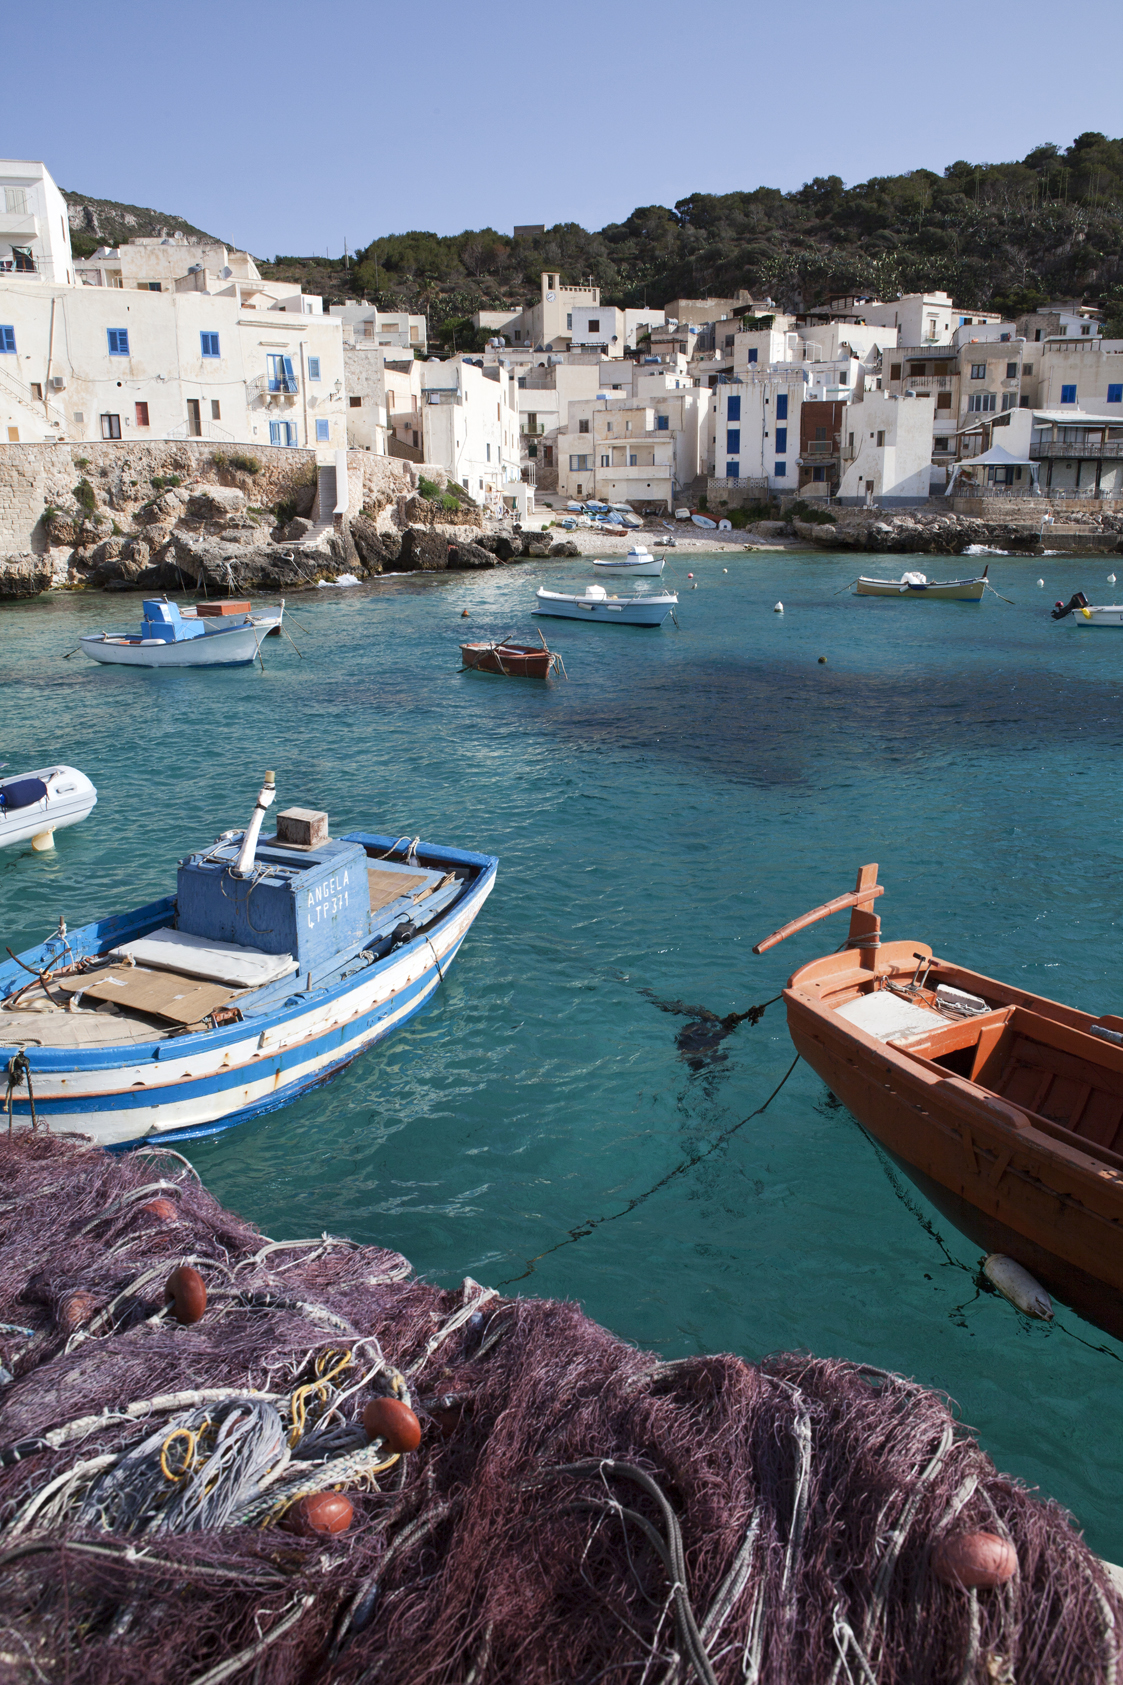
<point>945,591</point>
<point>233,646</point>
<point>619,611</point>
<point>197,1084</point>
<point>513,661</point>
<point>70,798</point>
<point>651,567</point>
<point>1106,615</point>
<point>980,1160</point>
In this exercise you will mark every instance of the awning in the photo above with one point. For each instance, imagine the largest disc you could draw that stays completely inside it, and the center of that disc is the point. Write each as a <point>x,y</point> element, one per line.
<point>996,457</point>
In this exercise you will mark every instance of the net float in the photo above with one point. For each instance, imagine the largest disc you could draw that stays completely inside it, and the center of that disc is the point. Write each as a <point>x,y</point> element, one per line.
<point>164,1209</point>
<point>186,1291</point>
<point>73,1309</point>
<point>1017,1285</point>
<point>319,1514</point>
<point>393,1422</point>
<point>463,614</point>
<point>981,1560</point>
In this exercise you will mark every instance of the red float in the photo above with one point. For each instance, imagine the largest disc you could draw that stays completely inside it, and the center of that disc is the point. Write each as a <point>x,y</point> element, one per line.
<point>981,1560</point>
<point>187,1292</point>
<point>394,1423</point>
<point>320,1514</point>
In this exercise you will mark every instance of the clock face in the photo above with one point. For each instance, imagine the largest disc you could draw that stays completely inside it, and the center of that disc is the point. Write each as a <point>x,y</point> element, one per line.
<point>549,298</point>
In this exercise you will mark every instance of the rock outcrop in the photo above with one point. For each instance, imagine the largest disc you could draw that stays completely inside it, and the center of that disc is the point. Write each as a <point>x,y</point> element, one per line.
<point>24,576</point>
<point>939,534</point>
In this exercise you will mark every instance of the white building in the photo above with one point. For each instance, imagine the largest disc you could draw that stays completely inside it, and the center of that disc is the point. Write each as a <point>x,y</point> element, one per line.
<point>607,329</point>
<point>34,228</point>
<point>886,449</point>
<point>383,328</point>
<point>756,427</point>
<point>621,450</point>
<point>94,362</point>
<point>470,421</point>
<point>383,399</point>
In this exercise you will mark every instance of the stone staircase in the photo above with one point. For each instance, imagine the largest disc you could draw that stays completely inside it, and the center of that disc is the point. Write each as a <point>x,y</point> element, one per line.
<point>323,509</point>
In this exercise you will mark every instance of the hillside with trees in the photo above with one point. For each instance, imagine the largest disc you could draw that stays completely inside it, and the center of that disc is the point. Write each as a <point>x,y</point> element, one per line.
<point>996,236</point>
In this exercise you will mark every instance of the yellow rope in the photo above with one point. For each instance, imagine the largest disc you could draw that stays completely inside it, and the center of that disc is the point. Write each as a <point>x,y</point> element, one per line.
<point>192,1441</point>
<point>319,1386</point>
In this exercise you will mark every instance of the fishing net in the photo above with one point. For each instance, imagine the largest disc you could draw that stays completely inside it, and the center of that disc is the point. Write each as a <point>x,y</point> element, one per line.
<point>576,1510</point>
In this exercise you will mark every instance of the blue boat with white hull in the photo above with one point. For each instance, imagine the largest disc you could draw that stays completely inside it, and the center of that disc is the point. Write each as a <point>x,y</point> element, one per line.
<point>278,961</point>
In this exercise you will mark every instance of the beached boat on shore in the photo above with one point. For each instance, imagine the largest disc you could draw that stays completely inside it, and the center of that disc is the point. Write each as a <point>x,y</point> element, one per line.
<point>277,962</point>
<point>596,604</point>
<point>34,805</point>
<point>1005,1108</point>
<point>918,585</point>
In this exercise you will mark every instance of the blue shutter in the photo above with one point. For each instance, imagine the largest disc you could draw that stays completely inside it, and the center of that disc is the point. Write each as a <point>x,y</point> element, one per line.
<point>209,343</point>
<point>313,368</point>
<point>733,470</point>
<point>7,339</point>
<point>733,412</point>
<point>781,438</point>
<point>289,376</point>
<point>323,430</point>
<point>1114,393</point>
<point>733,438</point>
<point>752,354</point>
<point>274,432</point>
<point>1068,394</point>
<point>781,406</point>
<point>781,470</point>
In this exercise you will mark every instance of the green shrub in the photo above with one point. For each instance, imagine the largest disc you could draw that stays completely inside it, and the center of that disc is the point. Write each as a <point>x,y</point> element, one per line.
<point>245,464</point>
<point>82,462</point>
<point>84,496</point>
<point>428,489</point>
<point>703,503</point>
<point>118,532</point>
<point>812,513</point>
<point>738,518</point>
<point>285,512</point>
<point>162,482</point>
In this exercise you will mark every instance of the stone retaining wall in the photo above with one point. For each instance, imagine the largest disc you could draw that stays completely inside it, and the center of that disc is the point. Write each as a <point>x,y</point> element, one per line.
<point>33,476</point>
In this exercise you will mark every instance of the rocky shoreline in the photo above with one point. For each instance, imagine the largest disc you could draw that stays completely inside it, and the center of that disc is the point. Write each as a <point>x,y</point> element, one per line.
<point>1034,532</point>
<point>200,535</point>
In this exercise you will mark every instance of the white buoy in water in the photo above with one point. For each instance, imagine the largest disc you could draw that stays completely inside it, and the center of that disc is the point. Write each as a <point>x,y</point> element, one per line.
<point>43,841</point>
<point>1017,1285</point>
<point>779,608</point>
<point>725,570</point>
<point>1111,579</point>
<point>1041,582</point>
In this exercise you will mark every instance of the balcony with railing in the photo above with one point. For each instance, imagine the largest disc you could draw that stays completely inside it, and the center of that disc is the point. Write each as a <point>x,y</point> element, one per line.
<point>1070,450</point>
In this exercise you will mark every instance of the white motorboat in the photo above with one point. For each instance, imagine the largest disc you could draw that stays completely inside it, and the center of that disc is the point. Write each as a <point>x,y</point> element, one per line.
<point>34,805</point>
<point>168,639</point>
<point>596,604</point>
<point>638,561</point>
<point>1085,613</point>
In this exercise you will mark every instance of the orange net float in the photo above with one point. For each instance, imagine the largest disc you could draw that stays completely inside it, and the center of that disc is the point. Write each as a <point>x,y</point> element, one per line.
<point>320,1514</point>
<point>394,1423</point>
<point>979,1561</point>
<point>186,1292</point>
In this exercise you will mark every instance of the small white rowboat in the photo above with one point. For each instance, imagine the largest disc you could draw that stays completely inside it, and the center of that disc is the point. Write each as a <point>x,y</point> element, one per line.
<point>34,805</point>
<point>639,560</point>
<point>918,585</point>
<point>596,604</point>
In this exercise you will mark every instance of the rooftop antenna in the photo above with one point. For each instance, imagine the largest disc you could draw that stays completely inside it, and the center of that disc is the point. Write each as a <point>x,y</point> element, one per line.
<point>346,259</point>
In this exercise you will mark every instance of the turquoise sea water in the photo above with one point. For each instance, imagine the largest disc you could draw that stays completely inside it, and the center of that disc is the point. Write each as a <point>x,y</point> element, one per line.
<point>682,795</point>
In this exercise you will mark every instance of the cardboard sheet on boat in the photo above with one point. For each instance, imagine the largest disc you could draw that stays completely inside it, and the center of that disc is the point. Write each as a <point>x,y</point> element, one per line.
<point>159,994</point>
<point>886,1016</point>
<point>389,883</point>
<point>197,956</point>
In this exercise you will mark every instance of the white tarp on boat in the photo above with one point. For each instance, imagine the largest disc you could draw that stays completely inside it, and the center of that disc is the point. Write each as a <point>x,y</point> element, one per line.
<point>885,1015</point>
<point>197,956</point>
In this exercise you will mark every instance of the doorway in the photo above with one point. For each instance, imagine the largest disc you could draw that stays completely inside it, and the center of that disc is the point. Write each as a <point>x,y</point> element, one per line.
<point>194,419</point>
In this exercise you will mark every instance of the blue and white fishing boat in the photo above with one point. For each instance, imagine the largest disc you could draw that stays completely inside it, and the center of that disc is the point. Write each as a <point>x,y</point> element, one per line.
<point>596,604</point>
<point>278,961</point>
<point>168,638</point>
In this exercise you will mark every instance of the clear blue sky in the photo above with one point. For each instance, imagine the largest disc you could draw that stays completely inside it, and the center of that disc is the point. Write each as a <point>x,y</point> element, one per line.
<point>291,127</point>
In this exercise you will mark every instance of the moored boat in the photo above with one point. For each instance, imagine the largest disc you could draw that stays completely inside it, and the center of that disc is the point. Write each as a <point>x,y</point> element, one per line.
<point>918,585</point>
<point>224,611</point>
<point>1085,613</point>
<point>639,561</point>
<point>596,604</point>
<point>512,661</point>
<point>34,805</point>
<point>276,963</point>
<point>169,639</point>
<point>1005,1108</point>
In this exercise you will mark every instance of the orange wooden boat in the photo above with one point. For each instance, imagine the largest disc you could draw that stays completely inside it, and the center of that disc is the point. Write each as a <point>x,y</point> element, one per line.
<point>1005,1109</point>
<point>513,661</point>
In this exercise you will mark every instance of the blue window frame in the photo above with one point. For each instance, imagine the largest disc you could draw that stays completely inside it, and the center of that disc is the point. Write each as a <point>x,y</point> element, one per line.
<point>313,368</point>
<point>1068,394</point>
<point>209,344</point>
<point>733,438</point>
<point>819,473</point>
<point>781,406</point>
<point>118,342</point>
<point>781,438</point>
<point>1114,393</point>
<point>733,410</point>
<point>733,470</point>
<point>662,423</point>
<point>752,354</point>
<point>323,430</point>
<point>282,433</point>
<point>781,470</point>
<point>7,339</point>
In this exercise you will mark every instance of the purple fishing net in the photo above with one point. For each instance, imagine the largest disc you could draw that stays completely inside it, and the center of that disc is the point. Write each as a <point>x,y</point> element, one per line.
<point>577,1510</point>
